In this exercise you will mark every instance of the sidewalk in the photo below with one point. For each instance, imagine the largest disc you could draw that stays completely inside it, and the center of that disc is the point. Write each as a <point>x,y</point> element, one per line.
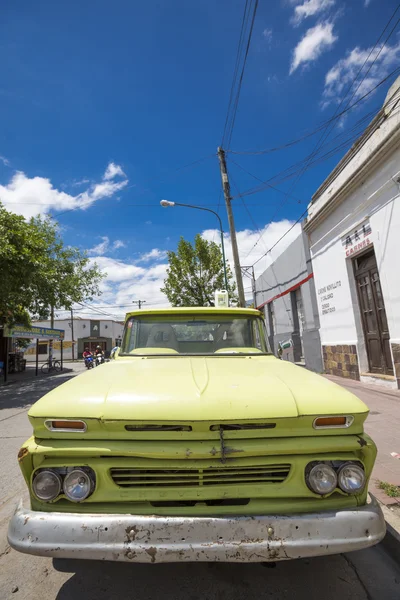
<point>383,425</point>
<point>30,373</point>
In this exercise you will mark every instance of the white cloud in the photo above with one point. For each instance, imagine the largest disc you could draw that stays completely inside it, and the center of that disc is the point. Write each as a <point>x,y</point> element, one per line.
<point>32,196</point>
<point>149,223</point>
<point>342,74</point>
<point>267,34</point>
<point>367,3</point>
<point>5,161</point>
<point>315,41</point>
<point>154,254</point>
<point>105,245</point>
<point>118,244</point>
<point>310,8</point>
<point>127,281</point>
<point>248,238</point>
<point>112,171</point>
<point>100,248</point>
<point>80,182</point>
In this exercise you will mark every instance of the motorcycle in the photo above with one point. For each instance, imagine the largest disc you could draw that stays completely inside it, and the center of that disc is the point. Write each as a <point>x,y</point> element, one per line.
<point>99,360</point>
<point>89,362</point>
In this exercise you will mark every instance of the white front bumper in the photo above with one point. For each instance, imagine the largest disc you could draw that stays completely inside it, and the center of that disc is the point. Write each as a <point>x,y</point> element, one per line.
<point>133,538</point>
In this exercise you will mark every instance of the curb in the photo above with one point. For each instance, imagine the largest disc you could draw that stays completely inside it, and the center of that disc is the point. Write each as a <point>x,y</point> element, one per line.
<point>391,541</point>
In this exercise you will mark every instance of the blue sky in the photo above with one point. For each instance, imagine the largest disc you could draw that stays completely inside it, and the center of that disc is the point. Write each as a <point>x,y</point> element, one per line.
<point>102,104</point>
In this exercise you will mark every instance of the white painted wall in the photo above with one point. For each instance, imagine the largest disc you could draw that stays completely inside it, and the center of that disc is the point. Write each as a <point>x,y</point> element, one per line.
<point>377,199</point>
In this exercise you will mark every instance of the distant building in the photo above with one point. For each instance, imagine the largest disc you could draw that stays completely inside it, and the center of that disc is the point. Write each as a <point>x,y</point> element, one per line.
<point>285,292</point>
<point>87,333</point>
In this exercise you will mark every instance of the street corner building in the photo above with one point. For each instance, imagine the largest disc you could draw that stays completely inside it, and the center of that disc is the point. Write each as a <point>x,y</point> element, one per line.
<point>333,296</point>
<point>353,227</point>
<point>87,333</point>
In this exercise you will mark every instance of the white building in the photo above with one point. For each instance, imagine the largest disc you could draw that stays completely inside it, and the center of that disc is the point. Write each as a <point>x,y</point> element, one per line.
<point>87,333</point>
<point>353,226</point>
<point>286,294</point>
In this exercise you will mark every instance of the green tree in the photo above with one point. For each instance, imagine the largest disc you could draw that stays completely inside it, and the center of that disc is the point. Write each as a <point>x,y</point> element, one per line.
<point>37,271</point>
<point>195,271</point>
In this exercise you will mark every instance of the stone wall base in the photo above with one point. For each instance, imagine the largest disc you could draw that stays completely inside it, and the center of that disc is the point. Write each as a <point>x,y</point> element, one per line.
<point>341,360</point>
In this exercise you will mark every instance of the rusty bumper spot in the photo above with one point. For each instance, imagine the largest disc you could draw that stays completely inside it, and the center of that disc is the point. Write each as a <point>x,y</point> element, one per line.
<point>22,453</point>
<point>152,552</point>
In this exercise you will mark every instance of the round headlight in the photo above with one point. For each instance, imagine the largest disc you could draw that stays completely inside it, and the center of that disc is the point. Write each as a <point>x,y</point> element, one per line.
<point>351,478</point>
<point>46,485</point>
<point>322,479</point>
<point>77,485</point>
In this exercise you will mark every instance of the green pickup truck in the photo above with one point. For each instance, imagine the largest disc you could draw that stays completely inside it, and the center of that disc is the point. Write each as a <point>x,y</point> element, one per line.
<point>196,444</point>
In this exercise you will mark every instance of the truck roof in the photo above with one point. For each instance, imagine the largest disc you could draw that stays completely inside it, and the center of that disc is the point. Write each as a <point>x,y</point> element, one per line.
<point>179,310</point>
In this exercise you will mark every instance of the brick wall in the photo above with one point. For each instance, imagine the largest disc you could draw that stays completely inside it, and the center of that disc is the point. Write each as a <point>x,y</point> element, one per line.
<point>341,360</point>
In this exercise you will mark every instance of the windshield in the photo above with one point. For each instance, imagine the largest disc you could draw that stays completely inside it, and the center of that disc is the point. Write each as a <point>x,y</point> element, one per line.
<point>200,334</point>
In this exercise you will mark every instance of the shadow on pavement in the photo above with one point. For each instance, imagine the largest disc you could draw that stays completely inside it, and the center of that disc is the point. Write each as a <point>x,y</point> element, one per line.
<point>21,394</point>
<point>328,578</point>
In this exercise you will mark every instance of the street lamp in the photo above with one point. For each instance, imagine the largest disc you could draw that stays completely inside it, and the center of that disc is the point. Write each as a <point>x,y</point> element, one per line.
<point>167,203</point>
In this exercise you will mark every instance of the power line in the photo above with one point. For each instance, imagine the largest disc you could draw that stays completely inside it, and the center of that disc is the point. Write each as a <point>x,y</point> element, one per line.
<point>329,128</point>
<point>282,236</point>
<point>294,169</point>
<point>236,87</point>
<point>289,172</point>
<point>235,71</point>
<point>320,127</point>
<point>392,100</point>
<point>258,229</point>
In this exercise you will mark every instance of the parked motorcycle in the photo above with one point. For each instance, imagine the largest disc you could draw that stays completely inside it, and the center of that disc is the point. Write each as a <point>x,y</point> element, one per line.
<point>89,362</point>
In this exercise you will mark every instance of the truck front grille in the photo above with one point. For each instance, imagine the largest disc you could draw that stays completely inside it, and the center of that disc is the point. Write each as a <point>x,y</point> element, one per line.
<point>142,478</point>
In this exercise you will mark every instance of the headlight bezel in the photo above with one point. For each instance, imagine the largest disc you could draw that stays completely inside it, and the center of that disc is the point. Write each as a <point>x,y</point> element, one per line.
<point>90,480</point>
<point>54,474</point>
<point>354,465</point>
<point>319,464</point>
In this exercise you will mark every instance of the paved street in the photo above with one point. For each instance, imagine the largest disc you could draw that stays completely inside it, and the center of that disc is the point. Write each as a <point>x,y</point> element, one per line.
<point>366,575</point>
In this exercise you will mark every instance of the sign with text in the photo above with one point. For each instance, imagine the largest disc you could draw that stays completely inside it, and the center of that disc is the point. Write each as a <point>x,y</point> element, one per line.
<point>327,297</point>
<point>357,239</point>
<point>20,331</point>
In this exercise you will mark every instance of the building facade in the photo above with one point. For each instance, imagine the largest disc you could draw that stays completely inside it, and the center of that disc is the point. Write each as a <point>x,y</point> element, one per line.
<point>87,333</point>
<point>285,292</point>
<point>353,227</point>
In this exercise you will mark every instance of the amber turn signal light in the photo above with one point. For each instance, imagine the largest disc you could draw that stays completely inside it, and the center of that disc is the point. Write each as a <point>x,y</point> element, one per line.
<point>328,422</point>
<point>66,425</point>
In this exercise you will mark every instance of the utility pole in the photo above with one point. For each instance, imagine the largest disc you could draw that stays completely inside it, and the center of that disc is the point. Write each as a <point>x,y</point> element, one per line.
<point>139,303</point>
<point>51,341</point>
<point>249,272</point>
<point>235,251</point>
<point>72,334</point>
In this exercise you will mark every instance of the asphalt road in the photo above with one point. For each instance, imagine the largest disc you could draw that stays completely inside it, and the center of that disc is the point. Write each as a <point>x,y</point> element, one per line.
<point>367,575</point>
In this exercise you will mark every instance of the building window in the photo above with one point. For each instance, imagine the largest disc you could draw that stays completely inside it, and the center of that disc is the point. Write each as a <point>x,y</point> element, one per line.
<point>42,348</point>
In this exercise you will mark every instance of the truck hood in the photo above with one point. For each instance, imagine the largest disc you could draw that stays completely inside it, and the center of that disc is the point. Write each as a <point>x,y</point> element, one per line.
<point>195,389</point>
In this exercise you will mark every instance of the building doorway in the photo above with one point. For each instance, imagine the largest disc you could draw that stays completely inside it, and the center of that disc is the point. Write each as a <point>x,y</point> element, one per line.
<point>373,314</point>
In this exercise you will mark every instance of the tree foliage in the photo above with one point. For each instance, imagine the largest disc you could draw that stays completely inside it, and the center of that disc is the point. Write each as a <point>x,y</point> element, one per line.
<point>37,271</point>
<point>195,271</point>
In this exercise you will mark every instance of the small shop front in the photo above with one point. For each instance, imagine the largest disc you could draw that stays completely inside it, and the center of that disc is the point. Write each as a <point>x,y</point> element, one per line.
<point>15,361</point>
